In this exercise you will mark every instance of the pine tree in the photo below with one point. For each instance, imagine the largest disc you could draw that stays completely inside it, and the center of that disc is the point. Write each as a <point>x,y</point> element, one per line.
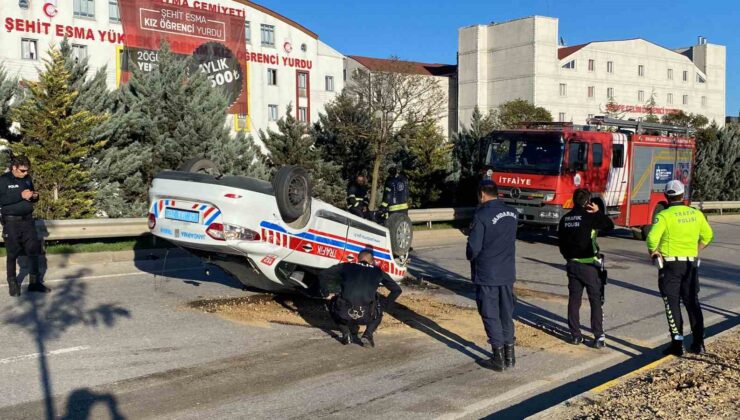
<point>468,152</point>
<point>293,144</point>
<point>344,135</point>
<point>163,118</point>
<point>427,163</point>
<point>93,94</point>
<point>716,174</point>
<point>9,91</point>
<point>612,109</point>
<point>56,138</point>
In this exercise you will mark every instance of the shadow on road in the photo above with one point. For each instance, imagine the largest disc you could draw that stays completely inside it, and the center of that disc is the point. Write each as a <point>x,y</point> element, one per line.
<point>45,317</point>
<point>545,400</point>
<point>81,402</point>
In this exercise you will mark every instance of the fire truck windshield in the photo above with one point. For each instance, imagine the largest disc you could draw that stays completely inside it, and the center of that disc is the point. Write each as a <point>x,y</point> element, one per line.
<point>531,152</point>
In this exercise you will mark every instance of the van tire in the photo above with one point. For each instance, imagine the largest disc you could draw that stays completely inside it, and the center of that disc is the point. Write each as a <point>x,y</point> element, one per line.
<point>402,233</point>
<point>199,165</point>
<point>293,189</point>
<point>644,231</point>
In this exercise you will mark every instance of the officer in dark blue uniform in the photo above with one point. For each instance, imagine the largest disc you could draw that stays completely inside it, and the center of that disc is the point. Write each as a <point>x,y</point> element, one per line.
<point>491,250</point>
<point>17,196</point>
<point>395,194</point>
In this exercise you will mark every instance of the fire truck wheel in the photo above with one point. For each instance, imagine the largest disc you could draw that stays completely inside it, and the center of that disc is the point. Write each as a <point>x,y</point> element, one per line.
<point>292,187</point>
<point>644,231</point>
<point>199,165</point>
<point>402,233</point>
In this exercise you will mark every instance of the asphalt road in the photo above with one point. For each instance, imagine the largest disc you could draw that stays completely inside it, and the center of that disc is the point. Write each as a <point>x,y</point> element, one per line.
<point>118,340</point>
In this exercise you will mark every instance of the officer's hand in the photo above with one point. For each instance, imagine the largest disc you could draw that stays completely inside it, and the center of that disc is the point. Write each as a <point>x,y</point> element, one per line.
<point>656,254</point>
<point>26,194</point>
<point>592,208</point>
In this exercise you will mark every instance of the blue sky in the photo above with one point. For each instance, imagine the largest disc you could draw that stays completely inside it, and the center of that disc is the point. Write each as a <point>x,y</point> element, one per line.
<point>427,30</point>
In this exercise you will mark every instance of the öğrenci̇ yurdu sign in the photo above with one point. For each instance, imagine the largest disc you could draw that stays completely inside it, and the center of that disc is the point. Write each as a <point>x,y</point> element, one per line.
<point>215,41</point>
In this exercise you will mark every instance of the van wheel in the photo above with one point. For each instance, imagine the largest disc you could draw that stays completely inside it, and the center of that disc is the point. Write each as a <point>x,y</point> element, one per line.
<point>292,187</point>
<point>402,233</point>
<point>200,165</point>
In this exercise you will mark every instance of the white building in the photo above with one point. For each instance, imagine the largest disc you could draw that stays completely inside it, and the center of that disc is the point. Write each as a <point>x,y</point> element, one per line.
<point>306,73</point>
<point>522,58</point>
<point>444,74</point>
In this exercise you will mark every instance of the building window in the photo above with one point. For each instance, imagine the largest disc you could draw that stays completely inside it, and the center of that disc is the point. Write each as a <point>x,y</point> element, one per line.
<point>268,35</point>
<point>610,67</point>
<point>84,8</point>
<point>561,117</point>
<point>114,15</point>
<point>272,112</point>
<point>563,89</point>
<point>247,32</point>
<point>670,74</point>
<point>591,65</point>
<point>240,122</point>
<point>685,76</point>
<point>700,79</point>
<point>669,99</point>
<point>590,116</point>
<point>641,70</point>
<point>570,65</point>
<point>591,90</point>
<point>685,99</point>
<point>610,93</point>
<point>302,84</point>
<point>28,49</point>
<point>703,101</point>
<point>302,114</point>
<point>271,77</point>
<point>640,95</point>
<point>329,80</point>
<point>79,52</point>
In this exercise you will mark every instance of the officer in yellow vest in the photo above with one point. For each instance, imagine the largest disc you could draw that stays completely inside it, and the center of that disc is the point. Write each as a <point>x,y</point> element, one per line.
<point>678,234</point>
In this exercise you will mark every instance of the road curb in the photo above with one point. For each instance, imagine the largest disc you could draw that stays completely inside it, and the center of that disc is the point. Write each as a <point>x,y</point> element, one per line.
<point>556,411</point>
<point>56,261</point>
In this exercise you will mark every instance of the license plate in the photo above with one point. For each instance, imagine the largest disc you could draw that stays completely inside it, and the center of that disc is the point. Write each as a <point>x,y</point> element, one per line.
<point>182,215</point>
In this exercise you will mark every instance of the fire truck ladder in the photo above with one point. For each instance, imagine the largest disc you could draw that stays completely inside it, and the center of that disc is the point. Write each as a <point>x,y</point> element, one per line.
<point>640,127</point>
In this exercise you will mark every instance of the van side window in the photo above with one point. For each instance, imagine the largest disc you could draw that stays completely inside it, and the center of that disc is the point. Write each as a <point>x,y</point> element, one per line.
<point>597,155</point>
<point>618,156</point>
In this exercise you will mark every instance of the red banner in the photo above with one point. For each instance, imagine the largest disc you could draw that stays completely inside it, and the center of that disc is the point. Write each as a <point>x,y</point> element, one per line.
<point>213,36</point>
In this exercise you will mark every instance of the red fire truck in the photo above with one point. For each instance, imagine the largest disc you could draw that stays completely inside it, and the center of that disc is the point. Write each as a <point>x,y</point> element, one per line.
<point>538,167</point>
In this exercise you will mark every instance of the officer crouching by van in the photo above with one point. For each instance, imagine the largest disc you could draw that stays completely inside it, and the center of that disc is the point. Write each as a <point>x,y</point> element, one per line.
<point>17,197</point>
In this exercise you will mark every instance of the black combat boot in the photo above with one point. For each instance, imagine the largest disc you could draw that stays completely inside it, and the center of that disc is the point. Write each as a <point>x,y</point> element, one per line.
<point>675,349</point>
<point>14,289</point>
<point>697,346</point>
<point>509,357</point>
<point>496,362</point>
<point>345,339</point>
<point>368,341</point>
<point>34,285</point>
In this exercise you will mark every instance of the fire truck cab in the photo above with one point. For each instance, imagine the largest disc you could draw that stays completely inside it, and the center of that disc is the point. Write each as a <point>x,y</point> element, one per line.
<point>539,166</point>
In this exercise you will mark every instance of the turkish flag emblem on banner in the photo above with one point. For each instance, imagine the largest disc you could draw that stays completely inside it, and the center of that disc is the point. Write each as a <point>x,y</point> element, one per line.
<point>214,40</point>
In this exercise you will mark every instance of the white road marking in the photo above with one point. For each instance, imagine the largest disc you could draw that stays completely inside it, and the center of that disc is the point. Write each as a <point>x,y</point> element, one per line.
<point>136,273</point>
<point>488,403</point>
<point>37,355</point>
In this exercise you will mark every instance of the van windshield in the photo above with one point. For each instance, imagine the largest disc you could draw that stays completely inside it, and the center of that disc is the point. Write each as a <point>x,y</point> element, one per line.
<point>531,152</point>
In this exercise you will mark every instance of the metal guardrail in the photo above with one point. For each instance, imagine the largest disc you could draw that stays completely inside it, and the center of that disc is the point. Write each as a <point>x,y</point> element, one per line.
<point>132,227</point>
<point>716,205</point>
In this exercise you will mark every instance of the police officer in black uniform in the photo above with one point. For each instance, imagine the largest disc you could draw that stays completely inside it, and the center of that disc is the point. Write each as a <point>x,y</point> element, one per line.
<point>357,201</point>
<point>577,234</point>
<point>357,301</point>
<point>395,194</point>
<point>17,196</point>
<point>491,250</point>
